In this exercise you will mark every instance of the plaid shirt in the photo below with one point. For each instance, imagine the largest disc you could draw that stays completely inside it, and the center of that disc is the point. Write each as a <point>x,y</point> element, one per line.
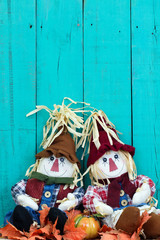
<point>20,187</point>
<point>101,193</point>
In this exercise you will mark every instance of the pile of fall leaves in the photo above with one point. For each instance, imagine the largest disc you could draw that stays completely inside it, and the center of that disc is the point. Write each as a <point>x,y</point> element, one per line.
<point>47,230</point>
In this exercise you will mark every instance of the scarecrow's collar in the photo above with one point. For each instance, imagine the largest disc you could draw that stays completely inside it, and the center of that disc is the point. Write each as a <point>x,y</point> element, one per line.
<point>117,179</point>
<point>52,180</point>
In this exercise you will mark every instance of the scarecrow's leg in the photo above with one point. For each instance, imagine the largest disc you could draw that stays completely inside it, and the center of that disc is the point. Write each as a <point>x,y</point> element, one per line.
<point>21,218</point>
<point>129,220</point>
<point>55,213</point>
<point>152,226</point>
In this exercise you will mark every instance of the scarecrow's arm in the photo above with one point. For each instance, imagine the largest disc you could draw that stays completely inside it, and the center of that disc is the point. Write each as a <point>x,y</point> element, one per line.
<point>18,189</point>
<point>141,179</point>
<point>72,200</point>
<point>145,189</point>
<point>93,201</point>
<point>78,194</point>
<point>20,197</point>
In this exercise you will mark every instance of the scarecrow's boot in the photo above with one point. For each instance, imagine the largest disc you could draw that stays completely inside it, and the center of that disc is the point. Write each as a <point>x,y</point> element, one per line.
<point>55,213</point>
<point>152,226</point>
<point>21,218</point>
<point>129,220</point>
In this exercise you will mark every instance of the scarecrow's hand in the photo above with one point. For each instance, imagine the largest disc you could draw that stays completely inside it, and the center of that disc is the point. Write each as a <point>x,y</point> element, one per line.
<point>68,203</point>
<point>26,201</point>
<point>142,194</point>
<point>102,208</point>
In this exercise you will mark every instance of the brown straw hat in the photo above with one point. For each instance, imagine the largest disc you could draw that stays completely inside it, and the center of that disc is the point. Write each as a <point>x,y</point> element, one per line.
<point>63,145</point>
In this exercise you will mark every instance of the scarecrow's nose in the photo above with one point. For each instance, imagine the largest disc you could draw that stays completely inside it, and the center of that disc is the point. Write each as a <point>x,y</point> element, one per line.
<point>55,166</point>
<point>112,165</point>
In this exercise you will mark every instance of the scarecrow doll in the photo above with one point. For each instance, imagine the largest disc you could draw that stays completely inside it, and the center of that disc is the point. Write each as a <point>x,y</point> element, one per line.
<point>54,176</point>
<point>117,192</point>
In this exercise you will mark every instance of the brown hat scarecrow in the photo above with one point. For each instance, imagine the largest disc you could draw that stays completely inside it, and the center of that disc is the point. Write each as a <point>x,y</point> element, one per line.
<point>53,178</point>
<point>63,145</point>
<point>57,141</point>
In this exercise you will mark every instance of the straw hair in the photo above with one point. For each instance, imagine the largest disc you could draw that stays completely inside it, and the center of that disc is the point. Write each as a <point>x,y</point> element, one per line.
<point>62,117</point>
<point>131,167</point>
<point>91,130</point>
<point>94,171</point>
<point>78,177</point>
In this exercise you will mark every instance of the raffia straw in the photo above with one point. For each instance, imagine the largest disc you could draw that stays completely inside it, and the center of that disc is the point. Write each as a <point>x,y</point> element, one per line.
<point>60,118</point>
<point>153,202</point>
<point>32,168</point>
<point>91,129</point>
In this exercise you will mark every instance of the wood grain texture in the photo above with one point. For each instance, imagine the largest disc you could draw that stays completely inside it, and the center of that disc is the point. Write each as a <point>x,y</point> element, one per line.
<point>17,95</point>
<point>103,52</point>
<point>59,55</point>
<point>146,84</point>
<point>107,82</point>
<point>107,73</point>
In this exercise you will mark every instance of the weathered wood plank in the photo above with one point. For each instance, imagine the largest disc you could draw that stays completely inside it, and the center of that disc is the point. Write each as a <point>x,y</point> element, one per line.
<point>146,84</point>
<point>107,83</point>
<point>17,95</point>
<point>107,73</point>
<point>59,59</point>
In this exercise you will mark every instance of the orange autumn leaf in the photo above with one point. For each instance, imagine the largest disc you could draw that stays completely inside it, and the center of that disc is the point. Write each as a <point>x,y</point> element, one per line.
<point>108,236</point>
<point>35,237</point>
<point>41,231</point>
<point>12,232</point>
<point>47,232</point>
<point>105,228</point>
<point>115,235</point>
<point>135,236</point>
<point>55,232</point>
<point>70,231</point>
<point>145,218</point>
<point>72,213</point>
<point>43,216</point>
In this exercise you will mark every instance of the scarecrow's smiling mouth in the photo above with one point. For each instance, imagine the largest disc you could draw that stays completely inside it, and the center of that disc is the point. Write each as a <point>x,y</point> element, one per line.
<point>49,174</point>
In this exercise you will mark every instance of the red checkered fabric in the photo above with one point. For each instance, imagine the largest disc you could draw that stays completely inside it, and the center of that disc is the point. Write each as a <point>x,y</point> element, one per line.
<point>101,193</point>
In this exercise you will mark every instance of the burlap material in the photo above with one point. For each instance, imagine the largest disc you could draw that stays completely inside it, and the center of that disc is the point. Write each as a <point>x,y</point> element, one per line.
<point>61,146</point>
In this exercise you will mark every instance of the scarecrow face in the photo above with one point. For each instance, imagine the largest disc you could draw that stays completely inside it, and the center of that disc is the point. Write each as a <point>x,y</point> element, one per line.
<point>111,165</point>
<point>56,167</point>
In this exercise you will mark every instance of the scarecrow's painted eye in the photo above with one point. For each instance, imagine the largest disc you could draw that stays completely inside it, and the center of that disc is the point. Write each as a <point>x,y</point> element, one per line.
<point>116,156</point>
<point>52,158</point>
<point>62,159</point>
<point>104,159</point>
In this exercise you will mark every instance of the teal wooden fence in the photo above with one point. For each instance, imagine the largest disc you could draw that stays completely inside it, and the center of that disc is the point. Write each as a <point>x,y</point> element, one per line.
<point>103,52</point>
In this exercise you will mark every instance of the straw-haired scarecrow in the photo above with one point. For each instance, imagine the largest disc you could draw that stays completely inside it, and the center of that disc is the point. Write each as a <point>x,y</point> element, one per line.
<point>53,178</point>
<point>116,191</point>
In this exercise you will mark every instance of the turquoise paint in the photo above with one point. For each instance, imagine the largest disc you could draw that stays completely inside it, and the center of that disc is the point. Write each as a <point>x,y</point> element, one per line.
<point>102,52</point>
<point>59,55</point>
<point>107,73</point>
<point>146,84</point>
<point>17,95</point>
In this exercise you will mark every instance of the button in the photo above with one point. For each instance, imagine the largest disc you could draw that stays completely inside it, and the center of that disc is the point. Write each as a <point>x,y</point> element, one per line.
<point>44,206</point>
<point>121,193</point>
<point>47,194</point>
<point>124,203</point>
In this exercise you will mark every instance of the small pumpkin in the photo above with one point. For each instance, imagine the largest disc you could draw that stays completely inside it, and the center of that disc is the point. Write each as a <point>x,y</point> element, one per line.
<point>89,224</point>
